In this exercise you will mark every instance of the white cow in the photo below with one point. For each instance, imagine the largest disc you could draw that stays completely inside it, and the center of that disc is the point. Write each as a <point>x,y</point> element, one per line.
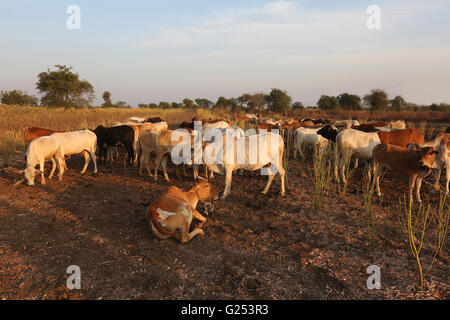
<point>248,153</point>
<point>216,125</point>
<point>136,120</point>
<point>351,142</point>
<point>76,142</point>
<point>38,151</point>
<point>347,123</point>
<point>442,161</point>
<point>307,136</point>
<point>399,124</point>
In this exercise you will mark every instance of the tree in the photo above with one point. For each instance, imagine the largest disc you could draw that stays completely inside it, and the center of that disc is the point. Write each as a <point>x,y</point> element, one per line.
<point>203,103</point>
<point>349,101</point>
<point>328,103</point>
<point>398,103</point>
<point>121,104</point>
<point>298,105</point>
<point>253,102</point>
<point>153,105</point>
<point>188,103</point>
<point>64,88</point>
<point>143,106</point>
<point>107,99</point>
<point>376,100</point>
<point>279,101</point>
<point>224,103</point>
<point>176,105</point>
<point>164,105</point>
<point>18,97</point>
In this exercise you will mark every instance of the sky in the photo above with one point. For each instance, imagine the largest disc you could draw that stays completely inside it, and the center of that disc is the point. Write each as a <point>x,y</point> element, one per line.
<point>151,51</point>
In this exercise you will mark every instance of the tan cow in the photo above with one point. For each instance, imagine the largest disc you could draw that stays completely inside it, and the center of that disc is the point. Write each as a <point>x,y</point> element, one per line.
<point>402,138</point>
<point>35,132</point>
<point>171,215</point>
<point>415,163</point>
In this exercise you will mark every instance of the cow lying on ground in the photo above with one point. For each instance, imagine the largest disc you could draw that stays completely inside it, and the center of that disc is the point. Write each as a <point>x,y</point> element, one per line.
<point>402,138</point>
<point>249,155</point>
<point>35,132</point>
<point>171,215</point>
<point>39,150</point>
<point>114,136</point>
<point>415,163</point>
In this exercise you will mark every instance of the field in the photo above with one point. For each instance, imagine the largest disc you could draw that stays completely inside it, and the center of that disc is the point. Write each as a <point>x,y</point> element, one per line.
<point>255,246</point>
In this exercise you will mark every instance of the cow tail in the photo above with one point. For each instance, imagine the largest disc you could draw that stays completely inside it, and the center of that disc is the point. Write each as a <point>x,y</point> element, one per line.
<point>157,224</point>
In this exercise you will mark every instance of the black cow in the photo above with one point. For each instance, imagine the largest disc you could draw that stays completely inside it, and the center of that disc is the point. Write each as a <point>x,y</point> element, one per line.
<point>329,132</point>
<point>112,137</point>
<point>448,130</point>
<point>154,120</point>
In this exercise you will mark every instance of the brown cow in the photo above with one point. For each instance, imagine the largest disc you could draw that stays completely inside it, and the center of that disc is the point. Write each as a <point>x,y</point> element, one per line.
<point>173,212</point>
<point>402,138</point>
<point>35,132</point>
<point>415,163</point>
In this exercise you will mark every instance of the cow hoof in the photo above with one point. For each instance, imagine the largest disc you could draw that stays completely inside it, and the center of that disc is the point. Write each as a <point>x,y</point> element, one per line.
<point>223,197</point>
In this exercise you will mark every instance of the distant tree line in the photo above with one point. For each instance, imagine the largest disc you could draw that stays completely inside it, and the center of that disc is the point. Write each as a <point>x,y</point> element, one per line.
<point>62,87</point>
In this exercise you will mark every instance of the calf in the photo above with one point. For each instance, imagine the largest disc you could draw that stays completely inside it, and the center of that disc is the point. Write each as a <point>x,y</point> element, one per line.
<point>173,212</point>
<point>35,132</point>
<point>39,150</point>
<point>442,144</point>
<point>114,136</point>
<point>415,163</point>
<point>402,138</point>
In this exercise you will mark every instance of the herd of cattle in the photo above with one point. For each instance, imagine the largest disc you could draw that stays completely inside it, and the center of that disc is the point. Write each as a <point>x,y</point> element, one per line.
<point>390,145</point>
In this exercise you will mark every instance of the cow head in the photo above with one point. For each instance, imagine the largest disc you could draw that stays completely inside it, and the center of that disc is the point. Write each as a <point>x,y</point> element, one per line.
<point>329,132</point>
<point>30,174</point>
<point>426,157</point>
<point>205,190</point>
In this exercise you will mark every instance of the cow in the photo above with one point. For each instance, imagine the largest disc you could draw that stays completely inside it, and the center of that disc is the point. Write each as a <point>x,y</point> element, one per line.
<point>369,127</point>
<point>35,132</point>
<point>402,138</point>
<point>248,153</point>
<point>114,136</point>
<point>442,144</point>
<point>76,142</point>
<point>399,124</point>
<point>38,151</point>
<point>356,143</point>
<point>136,120</point>
<point>416,164</point>
<point>154,120</point>
<point>171,215</point>
<point>447,130</point>
<point>267,126</point>
<point>307,136</point>
<point>346,123</point>
<point>165,143</point>
<point>147,145</point>
<point>215,125</point>
<point>329,132</point>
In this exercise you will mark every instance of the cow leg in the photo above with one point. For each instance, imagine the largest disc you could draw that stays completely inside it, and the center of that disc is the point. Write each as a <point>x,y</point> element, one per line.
<point>186,236</point>
<point>412,182</point>
<point>198,216</point>
<point>229,174</point>
<point>86,161</point>
<point>142,162</point>
<point>53,168</point>
<point>269,182</point>
<point>164,166</point>
<point>282,173</point>
<point>437,176</point>
<point>378,186</point>
<point>94,159</point>
<point>60,168</point>
<point>418,185</point>
<point>447,176</point>
<point>195,171</point>
<point>41,167</point>
<point>157,164</point>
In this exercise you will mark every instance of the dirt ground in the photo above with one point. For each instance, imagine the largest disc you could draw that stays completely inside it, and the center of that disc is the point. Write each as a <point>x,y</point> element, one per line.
<point>255,246</point>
